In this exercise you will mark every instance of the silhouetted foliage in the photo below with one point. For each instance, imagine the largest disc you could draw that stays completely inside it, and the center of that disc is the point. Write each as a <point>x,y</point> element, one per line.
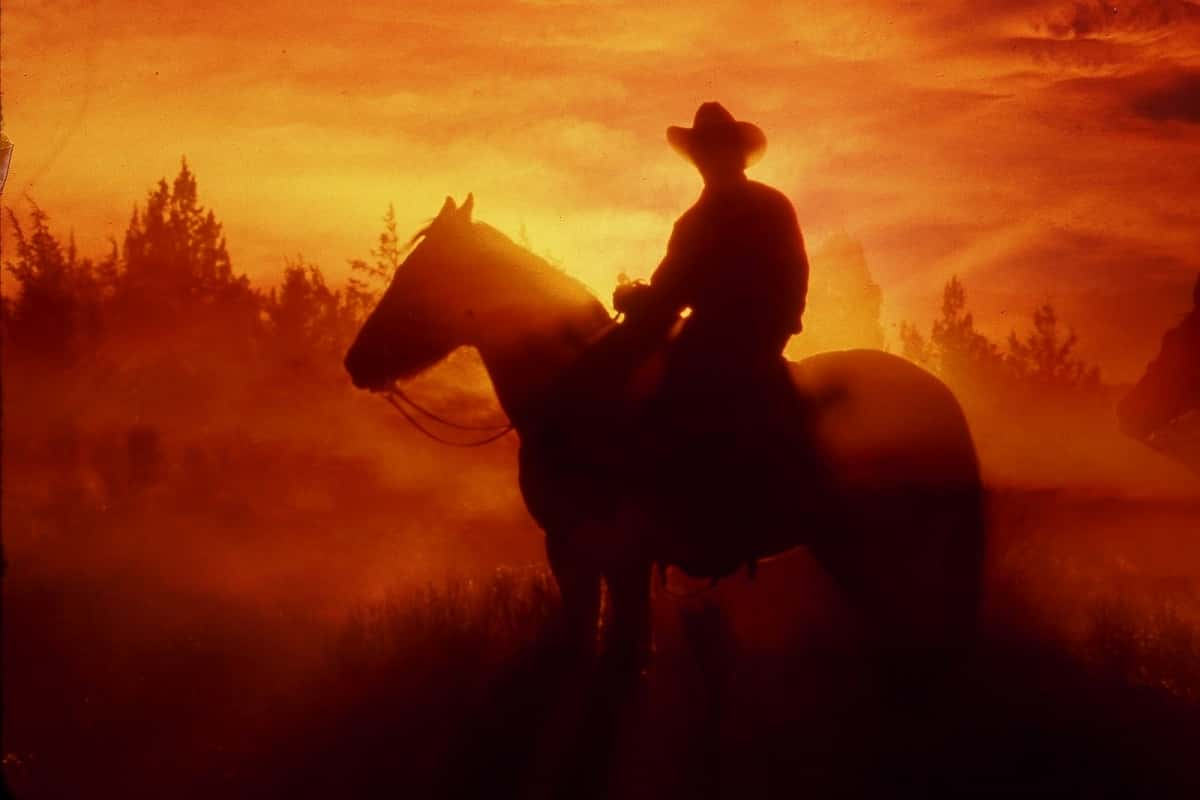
<point>174,252</point>
<point>57,309</point>
<point>172,283</point>
<point>962,352</point>
<point>310,320</point>
<point>171,291</point>
<point>914,346</point>
<point>363,292</point>
<point>175,285</point>
<point>1043,360</point>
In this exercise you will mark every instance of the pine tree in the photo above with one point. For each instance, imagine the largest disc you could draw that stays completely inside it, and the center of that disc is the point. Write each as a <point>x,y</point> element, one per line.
<point>56,312</point>
<point>364,292</point>
<point>310,322</point>
<point>176,267</point>
<point>963,353</point>
<point>1045,359</point>
<point>914,346</point>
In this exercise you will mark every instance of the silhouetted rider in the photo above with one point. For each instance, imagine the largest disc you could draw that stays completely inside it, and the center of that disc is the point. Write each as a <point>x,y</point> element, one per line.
<point>725,431</point>
<point>736,259</point>
<point>717,437</point>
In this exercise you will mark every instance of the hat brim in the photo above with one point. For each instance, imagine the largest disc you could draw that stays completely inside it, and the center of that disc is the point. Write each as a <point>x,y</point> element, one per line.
<point>693,143</point>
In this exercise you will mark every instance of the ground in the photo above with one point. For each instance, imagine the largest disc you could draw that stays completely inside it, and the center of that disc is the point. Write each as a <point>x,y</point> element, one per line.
<point>246,670</point>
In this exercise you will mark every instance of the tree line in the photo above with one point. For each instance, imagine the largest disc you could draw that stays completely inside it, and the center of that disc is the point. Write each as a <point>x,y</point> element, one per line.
<point>1044,360</point>
<point>171,278</point>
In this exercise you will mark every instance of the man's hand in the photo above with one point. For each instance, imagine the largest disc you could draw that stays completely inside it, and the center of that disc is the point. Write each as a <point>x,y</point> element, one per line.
<point>631,298</point>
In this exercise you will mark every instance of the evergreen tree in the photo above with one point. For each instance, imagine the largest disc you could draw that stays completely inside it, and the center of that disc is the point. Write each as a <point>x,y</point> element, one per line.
<point>175,244</point>
<point>309,321</point>
<point>963,353</point>
<point>56,313</point>
<point>176,261</point>
<point>362,293</point>
<point>914,346</point>
<point>1046,359</point>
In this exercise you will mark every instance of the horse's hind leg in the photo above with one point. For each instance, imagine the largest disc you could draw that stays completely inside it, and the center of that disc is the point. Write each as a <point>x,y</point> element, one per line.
<point>627,630</point>
<point>579,585</point>
<point>913,574</point>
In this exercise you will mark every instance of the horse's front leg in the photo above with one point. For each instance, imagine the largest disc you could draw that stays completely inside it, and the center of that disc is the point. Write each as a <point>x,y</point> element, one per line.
<point>627,632</point>
<point>578,579</point>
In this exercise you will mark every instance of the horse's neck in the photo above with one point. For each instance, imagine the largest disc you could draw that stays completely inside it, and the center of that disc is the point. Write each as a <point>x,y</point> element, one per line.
<point>531,322</point>
<point>525,352</point>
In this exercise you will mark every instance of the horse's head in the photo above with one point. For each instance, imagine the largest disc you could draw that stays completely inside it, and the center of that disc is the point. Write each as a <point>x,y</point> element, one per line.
<point>417,321</point>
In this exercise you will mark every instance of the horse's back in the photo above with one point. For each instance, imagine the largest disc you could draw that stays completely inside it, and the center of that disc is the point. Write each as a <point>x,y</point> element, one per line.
<point>905,526</point>
<point>882,421</point>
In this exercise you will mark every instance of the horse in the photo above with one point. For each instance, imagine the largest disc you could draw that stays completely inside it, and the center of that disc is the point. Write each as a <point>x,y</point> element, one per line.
<point>1162,409</point>
<point>898,523</point>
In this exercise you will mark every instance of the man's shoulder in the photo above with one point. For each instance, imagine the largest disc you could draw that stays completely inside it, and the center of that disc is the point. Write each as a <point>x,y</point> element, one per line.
<point>771,201</point>
<point>690,218</point>
<point>768,195</point>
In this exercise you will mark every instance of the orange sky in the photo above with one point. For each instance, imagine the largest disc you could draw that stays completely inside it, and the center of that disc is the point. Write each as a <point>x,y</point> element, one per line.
<point>1039,149</point>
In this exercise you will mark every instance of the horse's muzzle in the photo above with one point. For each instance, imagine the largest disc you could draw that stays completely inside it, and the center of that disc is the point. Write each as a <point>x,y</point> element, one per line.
<point>361,376</point>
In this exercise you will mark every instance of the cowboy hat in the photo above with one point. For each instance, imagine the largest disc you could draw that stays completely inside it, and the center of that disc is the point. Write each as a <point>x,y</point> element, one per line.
<point>714,129</point>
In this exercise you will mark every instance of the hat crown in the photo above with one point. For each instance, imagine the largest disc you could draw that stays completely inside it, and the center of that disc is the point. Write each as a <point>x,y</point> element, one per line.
<point>715,133</point>
<point>712,115</point>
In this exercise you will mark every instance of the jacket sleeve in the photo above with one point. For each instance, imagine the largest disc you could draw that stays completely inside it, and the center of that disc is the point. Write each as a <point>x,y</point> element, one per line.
<point>670,279</point>
<point>668,292</point>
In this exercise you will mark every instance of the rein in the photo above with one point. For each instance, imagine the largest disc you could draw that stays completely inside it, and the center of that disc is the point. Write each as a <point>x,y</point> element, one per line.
<point>396,398</point>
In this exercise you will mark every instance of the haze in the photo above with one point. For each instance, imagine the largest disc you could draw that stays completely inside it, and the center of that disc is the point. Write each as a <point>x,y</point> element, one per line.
<point>1040,150</point>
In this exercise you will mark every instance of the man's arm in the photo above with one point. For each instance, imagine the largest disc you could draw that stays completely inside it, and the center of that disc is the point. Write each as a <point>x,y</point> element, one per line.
<point>796,268</point>
<point>801,260</point>
<point>655,306</point>
<point>670,280</point>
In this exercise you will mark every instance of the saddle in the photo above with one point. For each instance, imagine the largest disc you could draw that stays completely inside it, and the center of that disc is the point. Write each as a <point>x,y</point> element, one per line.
<point>720,459</point>
<point>716,456</point>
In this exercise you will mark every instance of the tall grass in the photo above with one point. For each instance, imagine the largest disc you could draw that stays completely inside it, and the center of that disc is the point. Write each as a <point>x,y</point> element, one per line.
<point>127,682</point>
<point>456,691</point>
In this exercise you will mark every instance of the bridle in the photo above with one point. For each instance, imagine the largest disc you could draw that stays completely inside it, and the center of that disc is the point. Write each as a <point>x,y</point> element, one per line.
<point>397,399</point>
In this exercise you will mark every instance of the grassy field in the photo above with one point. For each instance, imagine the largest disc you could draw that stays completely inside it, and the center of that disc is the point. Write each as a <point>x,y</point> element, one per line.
<point>142,666</point>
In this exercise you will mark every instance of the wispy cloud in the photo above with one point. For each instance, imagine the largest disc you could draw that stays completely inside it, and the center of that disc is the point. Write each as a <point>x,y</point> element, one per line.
<point>949,137</point>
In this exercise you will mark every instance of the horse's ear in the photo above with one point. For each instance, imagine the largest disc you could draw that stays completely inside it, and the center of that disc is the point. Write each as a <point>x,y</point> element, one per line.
<point>464,211</point>
<point>447,208</point>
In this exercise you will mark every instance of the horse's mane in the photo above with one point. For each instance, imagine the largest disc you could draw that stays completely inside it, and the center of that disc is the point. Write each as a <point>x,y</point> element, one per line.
<point>521,279</point>
<point>529,264</point>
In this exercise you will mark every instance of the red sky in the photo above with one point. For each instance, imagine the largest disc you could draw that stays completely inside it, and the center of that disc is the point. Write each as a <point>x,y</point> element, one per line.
<point>1039,149</point>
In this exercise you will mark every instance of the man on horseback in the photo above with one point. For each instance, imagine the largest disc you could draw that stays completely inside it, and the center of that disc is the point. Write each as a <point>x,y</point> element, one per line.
<point>736,260</point>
